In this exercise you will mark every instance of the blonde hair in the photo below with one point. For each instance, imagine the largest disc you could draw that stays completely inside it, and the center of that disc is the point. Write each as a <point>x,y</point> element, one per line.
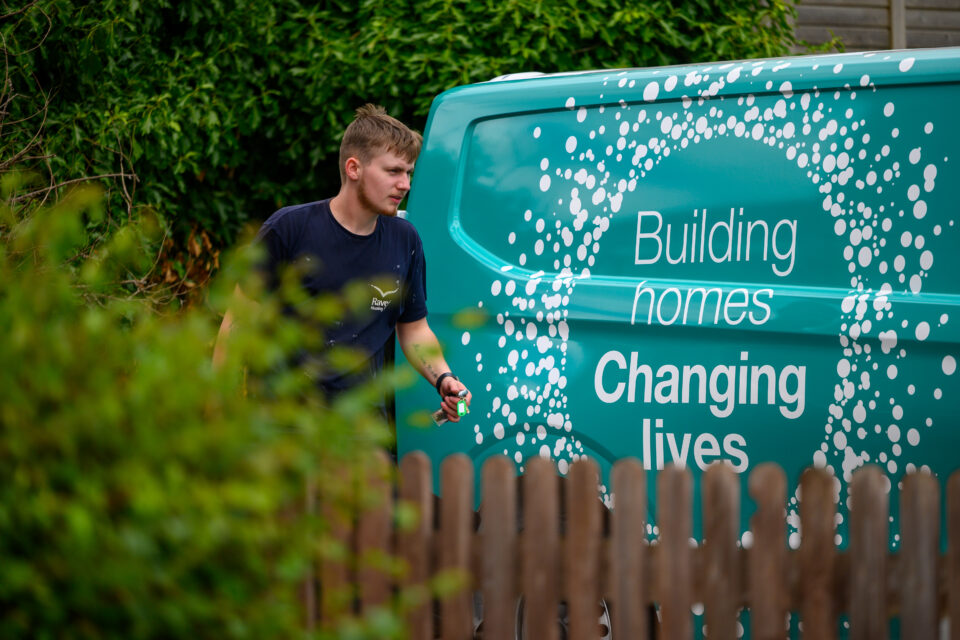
<point>372,132</point>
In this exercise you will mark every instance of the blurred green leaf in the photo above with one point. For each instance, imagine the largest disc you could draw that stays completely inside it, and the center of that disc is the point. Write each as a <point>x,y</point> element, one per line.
<point>449,581</point>
<point>143,493</point>
<point>472,318</point>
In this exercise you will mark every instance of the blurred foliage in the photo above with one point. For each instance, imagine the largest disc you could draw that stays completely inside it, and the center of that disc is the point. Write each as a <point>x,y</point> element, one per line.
<point>213,112</point>
<point>142,493</point>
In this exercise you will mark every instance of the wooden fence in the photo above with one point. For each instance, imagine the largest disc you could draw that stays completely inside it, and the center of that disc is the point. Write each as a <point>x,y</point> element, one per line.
<point>552,541</point>
<point>864,25</point>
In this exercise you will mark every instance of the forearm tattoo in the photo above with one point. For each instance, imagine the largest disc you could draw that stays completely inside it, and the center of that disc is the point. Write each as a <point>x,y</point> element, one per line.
<point>418,349</point>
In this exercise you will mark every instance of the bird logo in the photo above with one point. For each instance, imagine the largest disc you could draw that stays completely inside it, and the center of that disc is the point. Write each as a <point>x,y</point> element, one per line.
<point>384,294</point>
<point>381,303</point>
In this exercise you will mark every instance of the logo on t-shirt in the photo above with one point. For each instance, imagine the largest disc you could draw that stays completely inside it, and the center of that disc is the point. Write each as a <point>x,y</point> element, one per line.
<point>381,303</point>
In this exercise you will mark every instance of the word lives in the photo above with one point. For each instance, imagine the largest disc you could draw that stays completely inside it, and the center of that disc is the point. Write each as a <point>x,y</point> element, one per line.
<point>721,388</point>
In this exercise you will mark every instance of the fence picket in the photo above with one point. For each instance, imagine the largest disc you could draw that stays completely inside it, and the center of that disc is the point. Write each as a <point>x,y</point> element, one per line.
<point>374,527</point>
<point>413,546</point>
<point>919,544</point>
<point>675,561</point>
<point>817,513</point>
<point>308,587</point>
<point>573,558</point>
<point>869,540</point>
<point>953,554</point>
<point>628,551</point>
<point>541,546</point>
<point>767,574</point>
<point>499,533</point>
<point>721,528</point>
<point>582,553</point>
<point>336,589</point>
<point>456,531</point>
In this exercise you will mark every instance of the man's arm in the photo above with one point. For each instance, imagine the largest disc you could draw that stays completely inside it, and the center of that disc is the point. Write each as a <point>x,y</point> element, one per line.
<point>422,350</point>
<point>223,336</point>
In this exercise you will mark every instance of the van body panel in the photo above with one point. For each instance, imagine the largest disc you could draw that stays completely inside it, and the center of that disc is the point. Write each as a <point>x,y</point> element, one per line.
<point>745,261</point>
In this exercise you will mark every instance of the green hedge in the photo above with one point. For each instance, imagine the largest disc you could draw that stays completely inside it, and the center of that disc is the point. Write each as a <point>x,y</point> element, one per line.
<point>226,110</point>
<point>142,493</point>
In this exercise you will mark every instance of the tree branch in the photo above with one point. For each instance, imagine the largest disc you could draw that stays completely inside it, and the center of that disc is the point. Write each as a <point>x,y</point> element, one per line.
<point>27,196</point>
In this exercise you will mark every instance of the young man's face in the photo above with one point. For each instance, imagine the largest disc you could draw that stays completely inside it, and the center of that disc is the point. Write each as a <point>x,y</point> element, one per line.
<point>384,182</point>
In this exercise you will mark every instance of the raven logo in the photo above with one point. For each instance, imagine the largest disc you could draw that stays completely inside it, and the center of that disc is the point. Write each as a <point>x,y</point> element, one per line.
<point>384,294</point>
<point>381,303</point>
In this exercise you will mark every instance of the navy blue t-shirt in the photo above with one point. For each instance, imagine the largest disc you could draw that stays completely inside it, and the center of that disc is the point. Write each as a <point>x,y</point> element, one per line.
<point>388,263</point>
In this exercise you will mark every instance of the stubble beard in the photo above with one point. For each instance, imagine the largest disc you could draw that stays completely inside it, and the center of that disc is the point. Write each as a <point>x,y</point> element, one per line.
<point>367,203</point>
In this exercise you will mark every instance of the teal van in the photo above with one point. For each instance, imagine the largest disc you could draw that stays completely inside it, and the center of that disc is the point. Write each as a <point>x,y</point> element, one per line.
<point>742,261</point>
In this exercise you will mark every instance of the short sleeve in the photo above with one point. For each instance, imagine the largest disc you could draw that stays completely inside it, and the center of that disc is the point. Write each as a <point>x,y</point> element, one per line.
<point>274,257</point>
<point>415,302</point>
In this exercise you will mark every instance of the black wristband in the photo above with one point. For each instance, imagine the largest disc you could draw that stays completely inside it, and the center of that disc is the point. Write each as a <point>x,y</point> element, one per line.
<point>441,377</point>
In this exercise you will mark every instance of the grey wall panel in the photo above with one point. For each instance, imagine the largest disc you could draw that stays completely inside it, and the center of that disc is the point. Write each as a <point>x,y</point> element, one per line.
<point>939,20</point>
<point>849,3</point>
<point>813,15</point>
<point>855,38</point>
<point>934,4</point>
<point>922,39</point>
<point>880,24</point>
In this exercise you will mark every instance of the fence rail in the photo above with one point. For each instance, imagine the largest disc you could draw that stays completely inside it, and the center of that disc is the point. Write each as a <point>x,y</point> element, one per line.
<point>553,541</point>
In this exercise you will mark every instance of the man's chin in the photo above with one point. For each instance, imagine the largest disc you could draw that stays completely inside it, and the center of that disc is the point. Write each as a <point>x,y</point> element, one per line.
<point>390,210</point>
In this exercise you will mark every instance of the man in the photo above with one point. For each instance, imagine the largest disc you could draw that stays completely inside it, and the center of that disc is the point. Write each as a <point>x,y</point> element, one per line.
<point>356,236</point>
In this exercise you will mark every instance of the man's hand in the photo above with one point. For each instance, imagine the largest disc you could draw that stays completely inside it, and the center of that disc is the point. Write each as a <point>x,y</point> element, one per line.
<point>420,346</point>
<point>450,389</point>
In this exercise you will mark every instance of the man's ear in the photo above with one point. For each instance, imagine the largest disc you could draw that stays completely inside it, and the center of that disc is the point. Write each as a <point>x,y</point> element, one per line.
<point>352,168</point>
